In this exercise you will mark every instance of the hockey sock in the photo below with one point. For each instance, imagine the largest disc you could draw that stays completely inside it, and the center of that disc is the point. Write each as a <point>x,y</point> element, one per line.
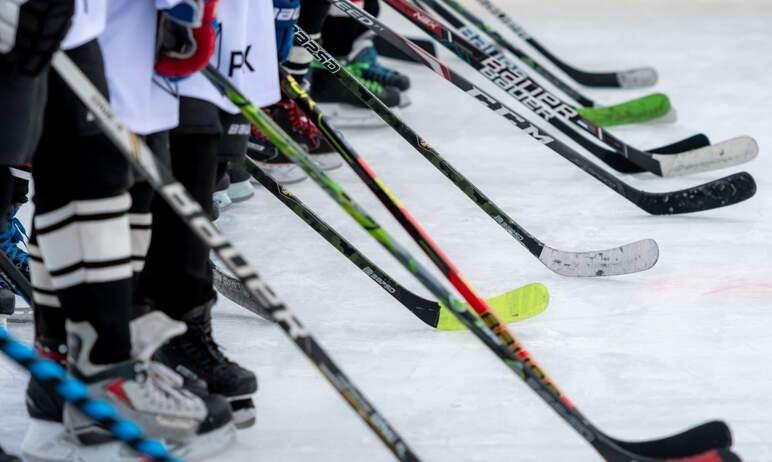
<point>313,13</point>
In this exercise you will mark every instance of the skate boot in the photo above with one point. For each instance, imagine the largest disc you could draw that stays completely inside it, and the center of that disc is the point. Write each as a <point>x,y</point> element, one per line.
<point>196,352</point>
<point>363,51</point>
<point>221,198</point>
<point>271,161</point>
<point>146,392</point>
<point>294,121</point>
<point>10,238</point>
<point>240,188</point>
<point>7,301</point>
<point>342,107</point>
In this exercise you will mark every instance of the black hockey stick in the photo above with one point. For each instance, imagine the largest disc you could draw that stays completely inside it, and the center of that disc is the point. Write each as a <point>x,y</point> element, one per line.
<point>521,55</point>
<point>707,442</point>
<point>158,175</point>
<point>630,258</point>
<point>633,78</point>
<point>718,193</point>
<point>555,111</point>
<point>385,49</point>
<point>512,306</point>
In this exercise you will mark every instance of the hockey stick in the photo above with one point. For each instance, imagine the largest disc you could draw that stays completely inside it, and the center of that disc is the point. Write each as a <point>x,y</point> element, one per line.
<point>571,92</point>
<point>718,193</point>
<point>515,305</point>
<point>706,442</point>
<point>160,178</point>
<point>630,258</point>
<point>633,78</point>
<point>56,381</point>
<point>550,108</point>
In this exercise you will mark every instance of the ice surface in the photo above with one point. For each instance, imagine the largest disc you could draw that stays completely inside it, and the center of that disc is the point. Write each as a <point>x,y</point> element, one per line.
<point>642,355</point>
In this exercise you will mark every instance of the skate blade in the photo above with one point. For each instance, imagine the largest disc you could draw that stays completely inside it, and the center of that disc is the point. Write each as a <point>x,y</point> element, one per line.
<point>21,314</point>
<point>49,442</point>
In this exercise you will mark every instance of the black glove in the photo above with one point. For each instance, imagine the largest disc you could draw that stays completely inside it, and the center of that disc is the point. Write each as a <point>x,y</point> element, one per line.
<point>31,31</point>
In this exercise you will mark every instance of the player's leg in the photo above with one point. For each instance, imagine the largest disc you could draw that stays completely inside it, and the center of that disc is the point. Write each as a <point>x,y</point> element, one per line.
<point>178,279</point>
<point>82,275</point>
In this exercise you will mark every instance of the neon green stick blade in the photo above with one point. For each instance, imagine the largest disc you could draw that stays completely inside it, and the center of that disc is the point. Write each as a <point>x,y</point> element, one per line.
<point>513,306</point>
<point>637,111</point>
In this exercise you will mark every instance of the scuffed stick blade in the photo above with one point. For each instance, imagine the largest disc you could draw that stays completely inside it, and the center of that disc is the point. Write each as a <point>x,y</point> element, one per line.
<point>630,258</point>
<point>728,153</point>
<point>715,194</point>
<point>232,289</point>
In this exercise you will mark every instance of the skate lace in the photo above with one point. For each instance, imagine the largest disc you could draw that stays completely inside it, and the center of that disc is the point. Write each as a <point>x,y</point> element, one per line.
<point>210,354</point>
<point>357,69</point>
<point>163,388</point>
<point>301,123</point>
<point>10,238</point>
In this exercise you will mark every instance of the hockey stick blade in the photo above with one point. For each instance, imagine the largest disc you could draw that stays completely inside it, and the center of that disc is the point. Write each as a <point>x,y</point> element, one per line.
<point>632,78</point>
<point>512,306</point>
<point>630,258</point>
<point>622,165</point>
<point>718,193</point>
<point>722,155</point>
<point>687,144</point>
<point>697,440</point>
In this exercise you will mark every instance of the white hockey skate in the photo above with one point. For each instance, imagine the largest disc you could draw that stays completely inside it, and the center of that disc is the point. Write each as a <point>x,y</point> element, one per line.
<point>144,391</point>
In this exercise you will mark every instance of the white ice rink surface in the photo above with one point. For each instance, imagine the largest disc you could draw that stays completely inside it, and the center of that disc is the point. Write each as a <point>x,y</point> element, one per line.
<point>643,355</point>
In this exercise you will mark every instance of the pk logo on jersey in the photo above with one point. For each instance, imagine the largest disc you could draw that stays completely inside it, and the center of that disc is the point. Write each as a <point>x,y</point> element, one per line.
<point>239,60</point>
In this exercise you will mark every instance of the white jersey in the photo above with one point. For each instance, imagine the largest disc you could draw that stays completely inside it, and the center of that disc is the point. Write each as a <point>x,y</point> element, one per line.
<point>128,44</point>
<point>87,23</point>
<point>245,52</point>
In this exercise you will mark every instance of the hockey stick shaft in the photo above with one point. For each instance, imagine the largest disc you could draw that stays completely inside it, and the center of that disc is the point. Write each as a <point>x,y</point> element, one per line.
<point>56,381</point>
<point>520,54</point>
<point>160,178</point>
<point>625,79</point>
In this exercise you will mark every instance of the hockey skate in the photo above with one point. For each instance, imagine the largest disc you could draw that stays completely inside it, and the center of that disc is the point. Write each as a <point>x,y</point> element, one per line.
<point>363,51</point>
<point>192,426</point>
<point>342,107</point>
<point>271,161</point>
<point>195,353</point>
<point>294,121</point>
<point>240,188</point>
<point>220,197</point>
<point>11,238</point>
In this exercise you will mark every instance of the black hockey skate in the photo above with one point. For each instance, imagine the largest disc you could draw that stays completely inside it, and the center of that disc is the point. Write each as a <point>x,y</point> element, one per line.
<point>196,353</point>
<point>190,421</point>
<point>273,162</point>
<point>342,107</point>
